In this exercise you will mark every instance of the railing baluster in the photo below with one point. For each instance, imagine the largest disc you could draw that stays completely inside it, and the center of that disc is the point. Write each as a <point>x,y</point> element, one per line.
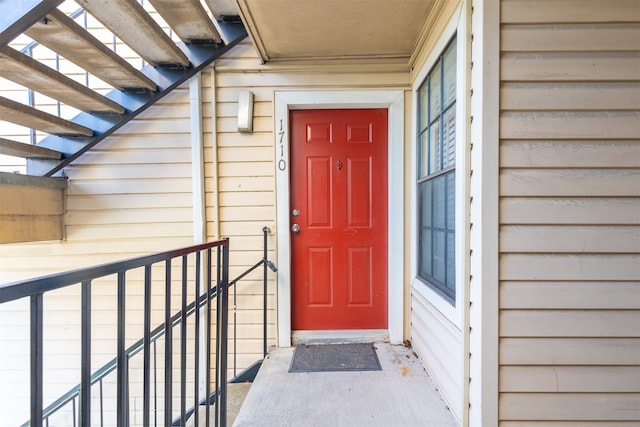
<point>85,355</point>
<point>196,350</point>
<point>73,406</point>
<point>126,391</point>
<point>183,345</point>
<point>218,310</point>
<point>36,359</point>
<point>155,383</point>
<point>146,372</point>
<point>224,318</point>
<point>168,348</point>
<point>101,405</point>
<point>265,230</point>
<point>235,329</point>
<point>121,405</point>
<point>208,338</point>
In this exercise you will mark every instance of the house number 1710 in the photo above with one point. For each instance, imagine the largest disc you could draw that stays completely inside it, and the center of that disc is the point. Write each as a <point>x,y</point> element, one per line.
<point>282,163</point>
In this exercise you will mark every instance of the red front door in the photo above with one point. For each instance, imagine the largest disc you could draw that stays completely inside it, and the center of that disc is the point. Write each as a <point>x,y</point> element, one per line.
<point>339,203</point>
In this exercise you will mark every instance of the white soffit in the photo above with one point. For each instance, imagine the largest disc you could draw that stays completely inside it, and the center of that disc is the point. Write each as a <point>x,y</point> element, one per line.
<point>334,29</point>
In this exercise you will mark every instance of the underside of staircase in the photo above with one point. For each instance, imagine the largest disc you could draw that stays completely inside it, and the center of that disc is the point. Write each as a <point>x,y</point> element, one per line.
<point>173,40</point>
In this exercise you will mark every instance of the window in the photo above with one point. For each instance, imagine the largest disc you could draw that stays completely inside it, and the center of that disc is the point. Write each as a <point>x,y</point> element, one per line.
<point>436,174</point>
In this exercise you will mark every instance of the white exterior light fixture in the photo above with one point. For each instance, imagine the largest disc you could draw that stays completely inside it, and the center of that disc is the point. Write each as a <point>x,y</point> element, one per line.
<point>245,111</point>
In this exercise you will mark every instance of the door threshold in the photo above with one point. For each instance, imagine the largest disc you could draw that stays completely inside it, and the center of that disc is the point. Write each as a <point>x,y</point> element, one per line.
<point>339,336</point>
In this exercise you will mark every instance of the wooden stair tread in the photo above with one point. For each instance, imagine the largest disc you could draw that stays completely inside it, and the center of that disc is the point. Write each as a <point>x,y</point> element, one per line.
<point>28,151</point>
<point>188,19</point>
<point>64,36</point>
<point>28,72</point>
<point>221,8</point>
<point>128,20</point>
<point>30,117</point>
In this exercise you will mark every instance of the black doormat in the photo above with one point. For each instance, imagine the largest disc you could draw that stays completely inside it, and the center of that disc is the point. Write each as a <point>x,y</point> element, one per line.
<point>335,357</point>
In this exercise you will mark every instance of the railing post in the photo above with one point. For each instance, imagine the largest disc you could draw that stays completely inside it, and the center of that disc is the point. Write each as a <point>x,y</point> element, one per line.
<point>196,351</point>
<point>207,286</point>
<point>36,359</point>
<point>85,355</point>
<point>122,394</point>
<point>146,355</point>
<point>168,349</point>
<point>218,328</point>
<point>265,230</point>
<point>223,321</point>
<point>183,345</point>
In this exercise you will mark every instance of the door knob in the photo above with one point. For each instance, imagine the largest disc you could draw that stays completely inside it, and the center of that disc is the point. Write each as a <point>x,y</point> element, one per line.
<point>295,228</point>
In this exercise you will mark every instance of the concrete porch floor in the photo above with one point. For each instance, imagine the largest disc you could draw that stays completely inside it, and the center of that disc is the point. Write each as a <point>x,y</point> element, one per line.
<point>401,394</point>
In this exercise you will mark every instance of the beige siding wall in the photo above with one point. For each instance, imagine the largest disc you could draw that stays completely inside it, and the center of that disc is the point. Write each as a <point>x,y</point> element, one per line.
<point>438,342</point>
<point>240,202</point>
<point>569,212</point>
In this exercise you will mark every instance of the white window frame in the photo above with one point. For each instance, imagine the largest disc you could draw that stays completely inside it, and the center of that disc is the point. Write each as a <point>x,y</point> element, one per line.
<point>453,312</point>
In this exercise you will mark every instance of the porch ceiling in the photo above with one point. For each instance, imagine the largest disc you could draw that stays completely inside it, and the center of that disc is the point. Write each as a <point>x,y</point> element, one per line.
<point>334,29</point>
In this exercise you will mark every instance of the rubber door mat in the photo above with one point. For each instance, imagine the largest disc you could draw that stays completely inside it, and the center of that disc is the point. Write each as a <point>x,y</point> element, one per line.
<point>335,357</point>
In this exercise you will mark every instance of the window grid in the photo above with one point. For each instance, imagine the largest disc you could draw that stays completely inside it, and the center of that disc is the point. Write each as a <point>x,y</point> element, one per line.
<point>437,170</point>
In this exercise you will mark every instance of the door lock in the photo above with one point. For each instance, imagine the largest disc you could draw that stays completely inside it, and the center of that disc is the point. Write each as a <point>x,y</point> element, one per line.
<point>295,228</point>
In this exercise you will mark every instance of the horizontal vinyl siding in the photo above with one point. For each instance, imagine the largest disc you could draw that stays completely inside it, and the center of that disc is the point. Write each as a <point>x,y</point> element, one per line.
<point>439,344</point>
<point>240,201</point>
<point>569,213</point>
<point>240,188</point>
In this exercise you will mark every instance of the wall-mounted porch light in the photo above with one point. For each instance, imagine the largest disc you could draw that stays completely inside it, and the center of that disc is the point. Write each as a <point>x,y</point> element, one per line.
<point>245,111</point>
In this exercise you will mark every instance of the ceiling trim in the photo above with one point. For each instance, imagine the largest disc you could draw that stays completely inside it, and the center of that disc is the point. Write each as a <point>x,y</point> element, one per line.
<point>250,26</point>
<point>427,29</point>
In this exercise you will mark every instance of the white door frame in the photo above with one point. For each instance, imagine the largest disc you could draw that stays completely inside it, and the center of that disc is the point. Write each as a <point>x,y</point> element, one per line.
<point>393,101</point>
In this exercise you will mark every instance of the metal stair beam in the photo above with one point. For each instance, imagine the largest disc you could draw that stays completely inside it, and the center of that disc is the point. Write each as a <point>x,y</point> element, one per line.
<point>128,20</point>
<point>135,103</point>
<point>28,72</point>
<point>30,117</point>
<point>28,151</point>
<point>64,36</point>
<point>188,19</point>
<point>17,16</point>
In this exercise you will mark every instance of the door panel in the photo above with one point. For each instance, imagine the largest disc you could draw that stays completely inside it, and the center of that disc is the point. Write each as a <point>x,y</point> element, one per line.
<point>359,277</point>
<point>319,192</point>
<point>358,195</point>
<point>339,188</point>
<point>320,270</point>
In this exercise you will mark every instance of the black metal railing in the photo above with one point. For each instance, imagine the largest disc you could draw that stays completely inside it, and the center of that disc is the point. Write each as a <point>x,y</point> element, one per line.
<point>205,292</point>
